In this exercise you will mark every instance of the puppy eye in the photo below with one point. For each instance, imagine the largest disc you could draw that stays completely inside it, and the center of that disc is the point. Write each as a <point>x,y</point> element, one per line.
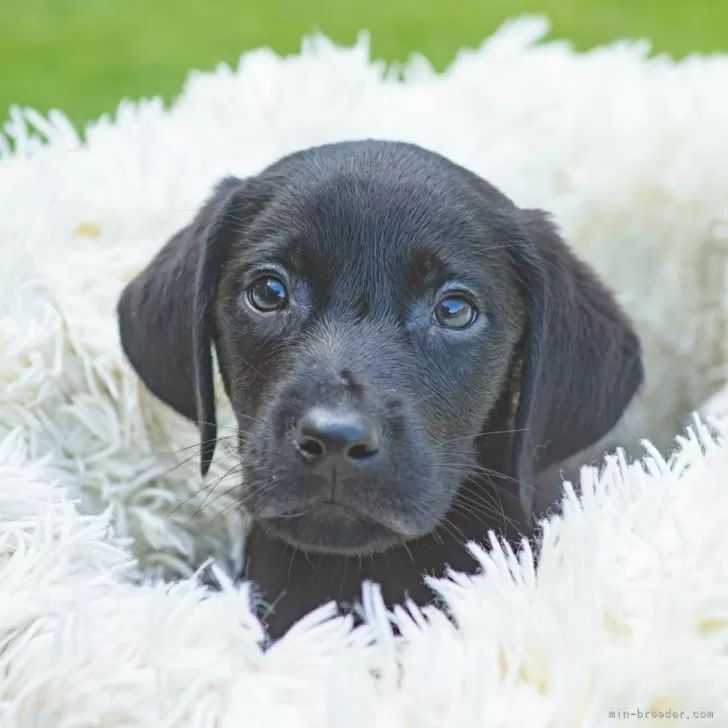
<point>455,312</point>
<point>267,294</point>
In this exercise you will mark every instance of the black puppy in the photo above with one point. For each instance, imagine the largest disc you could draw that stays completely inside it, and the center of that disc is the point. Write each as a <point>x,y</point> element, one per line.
<point>404,349</point>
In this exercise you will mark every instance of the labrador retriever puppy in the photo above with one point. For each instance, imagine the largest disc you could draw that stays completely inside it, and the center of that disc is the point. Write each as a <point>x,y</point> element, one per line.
<point>405,351</point>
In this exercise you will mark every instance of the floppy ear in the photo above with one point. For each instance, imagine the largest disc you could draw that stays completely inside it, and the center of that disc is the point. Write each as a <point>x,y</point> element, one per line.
<point>582,361</point>
<point>166,314</point>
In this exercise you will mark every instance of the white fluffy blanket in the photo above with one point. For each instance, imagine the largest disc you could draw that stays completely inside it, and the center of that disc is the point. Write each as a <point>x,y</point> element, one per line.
<point>99,491</point>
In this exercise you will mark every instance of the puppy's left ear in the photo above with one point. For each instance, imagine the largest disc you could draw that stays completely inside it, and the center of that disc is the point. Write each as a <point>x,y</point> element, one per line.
<point>582,360</point>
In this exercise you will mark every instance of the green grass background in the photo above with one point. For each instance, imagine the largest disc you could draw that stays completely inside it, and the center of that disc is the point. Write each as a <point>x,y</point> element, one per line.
<point>83,56</point>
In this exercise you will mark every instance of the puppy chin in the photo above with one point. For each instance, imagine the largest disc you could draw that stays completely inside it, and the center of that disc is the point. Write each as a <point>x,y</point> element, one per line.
<point>333,528</point>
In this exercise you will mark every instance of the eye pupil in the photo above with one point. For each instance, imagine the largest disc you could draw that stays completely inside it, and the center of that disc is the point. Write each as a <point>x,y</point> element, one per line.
<point>455,312</point>
<point>268,293</point>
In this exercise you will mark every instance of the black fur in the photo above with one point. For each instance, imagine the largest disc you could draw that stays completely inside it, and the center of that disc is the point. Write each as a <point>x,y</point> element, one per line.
<point>367,237</point>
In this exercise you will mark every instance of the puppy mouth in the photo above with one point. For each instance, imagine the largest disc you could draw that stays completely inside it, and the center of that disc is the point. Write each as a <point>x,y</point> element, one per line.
<point>336,528</point>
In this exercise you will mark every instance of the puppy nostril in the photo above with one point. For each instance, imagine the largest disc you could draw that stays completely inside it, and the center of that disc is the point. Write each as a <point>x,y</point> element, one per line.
<point>310,448</point>
<point>361,452</point>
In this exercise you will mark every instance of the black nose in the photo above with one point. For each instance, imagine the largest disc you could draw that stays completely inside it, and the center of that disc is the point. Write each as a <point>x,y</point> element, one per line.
<point>323,433</point>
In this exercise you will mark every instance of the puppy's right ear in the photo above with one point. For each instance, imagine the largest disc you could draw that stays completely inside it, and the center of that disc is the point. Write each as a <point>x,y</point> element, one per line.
<point>166,314</point>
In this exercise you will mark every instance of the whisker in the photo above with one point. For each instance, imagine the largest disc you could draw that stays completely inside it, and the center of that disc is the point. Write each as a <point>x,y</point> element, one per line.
<point>210,488</point>
<point>481,434</point>
<point>197,444</point>
<point>464,474</point>
<point>447,526</point>
<point>476,467</point>
<point>408,551</point>
<point>487,523</point>
<point>490,509</point>
<point>179,463</point>
<point>227,491</point>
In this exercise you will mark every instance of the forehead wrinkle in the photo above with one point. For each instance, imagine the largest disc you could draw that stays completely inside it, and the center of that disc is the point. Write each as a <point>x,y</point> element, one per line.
<point>352,287</point>
<point>354,232</point>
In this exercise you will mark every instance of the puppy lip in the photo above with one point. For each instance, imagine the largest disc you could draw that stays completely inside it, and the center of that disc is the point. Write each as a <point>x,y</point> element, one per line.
<point>339,511</point>
<point>333,528</point>
<point>316,509</point>
<point>271,512</point>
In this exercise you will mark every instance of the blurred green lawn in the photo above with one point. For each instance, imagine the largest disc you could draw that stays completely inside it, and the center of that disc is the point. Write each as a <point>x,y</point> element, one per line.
<point>83,56</point>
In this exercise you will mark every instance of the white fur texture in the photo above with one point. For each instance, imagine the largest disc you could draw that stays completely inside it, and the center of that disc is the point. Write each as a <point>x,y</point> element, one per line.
<point>629,607</point>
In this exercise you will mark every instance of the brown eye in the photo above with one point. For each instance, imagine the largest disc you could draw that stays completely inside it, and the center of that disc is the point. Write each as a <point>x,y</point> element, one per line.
<point>455,312</point>
<point>267,294</point>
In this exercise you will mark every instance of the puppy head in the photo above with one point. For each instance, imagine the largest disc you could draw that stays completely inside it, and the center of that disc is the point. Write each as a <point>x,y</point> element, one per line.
<point>370,304</point>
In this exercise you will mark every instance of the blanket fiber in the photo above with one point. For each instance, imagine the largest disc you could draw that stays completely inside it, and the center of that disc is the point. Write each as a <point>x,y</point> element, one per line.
<point>108,538</point>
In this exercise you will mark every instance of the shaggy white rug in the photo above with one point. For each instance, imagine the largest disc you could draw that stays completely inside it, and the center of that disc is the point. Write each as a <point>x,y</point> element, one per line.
<point>99,490</point>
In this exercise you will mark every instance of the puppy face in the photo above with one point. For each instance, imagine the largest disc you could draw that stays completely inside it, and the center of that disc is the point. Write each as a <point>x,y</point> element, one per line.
<point>370,303</point>
<point>366,323</point>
